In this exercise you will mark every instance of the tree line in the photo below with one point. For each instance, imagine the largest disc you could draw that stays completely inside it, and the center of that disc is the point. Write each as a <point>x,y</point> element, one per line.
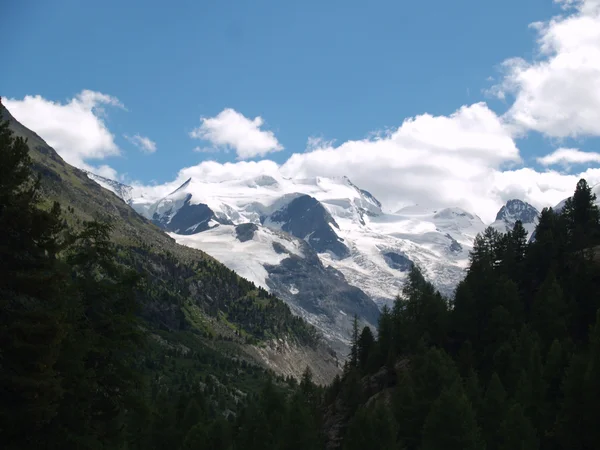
<point>512,361</point>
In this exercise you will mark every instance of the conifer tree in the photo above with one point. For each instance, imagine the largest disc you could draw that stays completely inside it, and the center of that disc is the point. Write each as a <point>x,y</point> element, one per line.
<point>365,345</point>
<point>592,387</point>
<point>451,423</point>
<point>493,412</point>
<point>32,300</point>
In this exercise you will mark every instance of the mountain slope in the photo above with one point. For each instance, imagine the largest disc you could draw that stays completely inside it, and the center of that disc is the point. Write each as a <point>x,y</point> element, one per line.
<point>185,291</point>
<point>323,245</point>
<point>342,223</point>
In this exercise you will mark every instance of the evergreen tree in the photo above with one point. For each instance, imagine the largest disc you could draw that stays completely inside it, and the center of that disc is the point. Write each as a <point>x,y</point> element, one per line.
<point>517,431</point>
<point>473,390</point>
<point>365,345</point>
<point>494,411</point>
<point>101,382</point>
<point>406,411</point>
<point>385,343</point>
<point>32,300</point>
<point>549,314</point>
<point>371,428</point>
<point>592,388</point>
<point>300,429</point>
<point>354,343</point>
<point>451,423</point>
<point>196,439</point>
<point>583,217</point>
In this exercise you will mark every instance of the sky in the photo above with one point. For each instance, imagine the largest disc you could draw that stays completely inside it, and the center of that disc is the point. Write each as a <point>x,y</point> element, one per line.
<point>437,103</point>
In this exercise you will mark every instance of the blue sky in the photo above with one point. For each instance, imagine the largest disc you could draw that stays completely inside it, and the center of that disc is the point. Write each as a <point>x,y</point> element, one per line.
<point>334,70</point>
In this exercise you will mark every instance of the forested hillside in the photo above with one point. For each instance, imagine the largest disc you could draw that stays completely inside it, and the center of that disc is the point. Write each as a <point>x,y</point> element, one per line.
<point>111,335</point>
<point>512,363</point>
<point>101,346</point>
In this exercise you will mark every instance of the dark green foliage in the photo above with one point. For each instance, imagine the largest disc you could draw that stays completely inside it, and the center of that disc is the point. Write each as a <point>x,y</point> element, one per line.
<point>32,304</point>
<point>127,346</point>
<point>516,431</point>
<point>365,346</point>
<point>513,363</point>
<point>451,423</point>
<point>372,428</point>
<point>493,412</point>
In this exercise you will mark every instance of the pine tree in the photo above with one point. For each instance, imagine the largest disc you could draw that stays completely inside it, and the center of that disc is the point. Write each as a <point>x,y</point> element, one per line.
<point>451,423</point>
<point>592,387</point>
<point>196,438</point>
<point>218,435</point>
<point>570,427</point>
<point>32,301</point>
<point>549,312</point>
<point>354,343</point>
<point>300,428</point>
<point>101,382</point>
<point>385,342</point>
<point>517,431</point>
<point>371,428</point>
<point>365,345</point>
<point>583,217</point>
<point>493,412</point>
<point>406,412</point>
<point>473,390</point>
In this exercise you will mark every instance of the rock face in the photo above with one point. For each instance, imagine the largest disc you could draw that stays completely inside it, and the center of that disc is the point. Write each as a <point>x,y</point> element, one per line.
<point>321,295</point>
<point>513,211</point>
<point>188,219</point>
<point>289,359</point>
<point>306,218</point>
<point>245,231</point>
<point>398,261</point>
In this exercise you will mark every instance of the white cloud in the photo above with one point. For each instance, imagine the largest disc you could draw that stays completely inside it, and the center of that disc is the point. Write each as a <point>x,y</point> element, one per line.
<point>230,129</point>
<point>568,156</point>
<point>466,159</point>
<point>435,160</point>
<point>75,129</point>
<point>558,94</point>
<point>144,143</point>
<point>314,143</point>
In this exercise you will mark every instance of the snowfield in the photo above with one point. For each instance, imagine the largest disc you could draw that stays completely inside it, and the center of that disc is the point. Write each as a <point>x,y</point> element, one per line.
<point>438,241</point>
<point>248,258</point>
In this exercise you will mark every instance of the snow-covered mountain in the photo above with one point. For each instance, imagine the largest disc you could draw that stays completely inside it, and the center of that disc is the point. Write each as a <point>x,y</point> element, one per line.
<point>322,244</point>
<point>515,210</point>
<point>121,190</point>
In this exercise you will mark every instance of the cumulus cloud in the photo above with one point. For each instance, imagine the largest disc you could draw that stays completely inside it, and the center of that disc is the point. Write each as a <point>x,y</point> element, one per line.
<point>558,93</point>
<point>230,129</point>
<point>467,159</point>
<point>75,129</point>
<point>435,160</point>
<point>144,143</point>
<point>569,156</point>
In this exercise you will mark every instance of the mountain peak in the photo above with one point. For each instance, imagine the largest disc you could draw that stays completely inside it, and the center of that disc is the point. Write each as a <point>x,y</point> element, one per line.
<point>183,186</point>
<point>119,189</point>
<point>516,209</point>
